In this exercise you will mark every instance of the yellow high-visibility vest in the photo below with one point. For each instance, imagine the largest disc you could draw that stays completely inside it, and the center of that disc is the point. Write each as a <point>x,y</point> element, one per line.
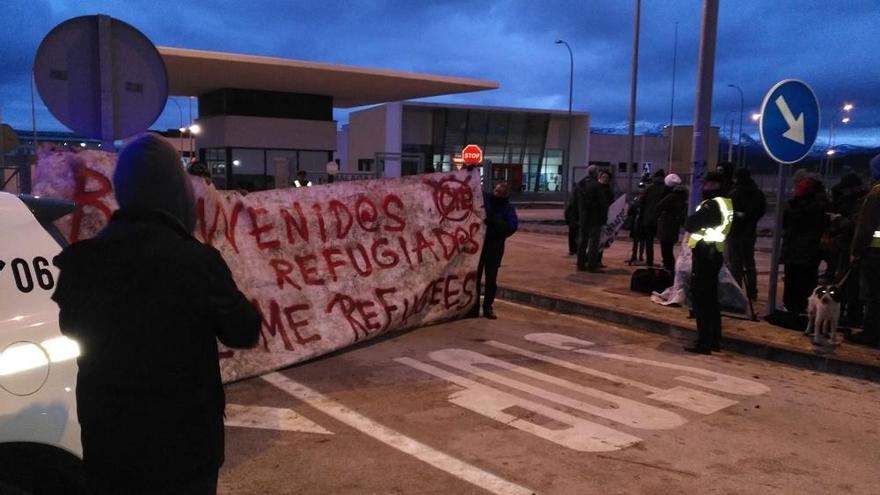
<point>718,234</point>
<point>875,240</point>
<point>297,183</point>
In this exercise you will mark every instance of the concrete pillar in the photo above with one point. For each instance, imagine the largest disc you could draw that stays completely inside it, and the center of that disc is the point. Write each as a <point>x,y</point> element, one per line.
<point>393,137</point>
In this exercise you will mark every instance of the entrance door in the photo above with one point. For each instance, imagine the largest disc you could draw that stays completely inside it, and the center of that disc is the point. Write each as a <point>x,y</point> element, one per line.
<point>510,172</point>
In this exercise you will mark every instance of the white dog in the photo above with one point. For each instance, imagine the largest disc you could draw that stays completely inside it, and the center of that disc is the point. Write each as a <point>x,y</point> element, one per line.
<point>823,308</point>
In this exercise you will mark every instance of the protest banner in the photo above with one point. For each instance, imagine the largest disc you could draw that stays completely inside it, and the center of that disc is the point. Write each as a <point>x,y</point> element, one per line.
<point>327,266</point>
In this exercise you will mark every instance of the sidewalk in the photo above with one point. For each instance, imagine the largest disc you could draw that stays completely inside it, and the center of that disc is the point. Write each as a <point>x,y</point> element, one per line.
<point>553,284</point>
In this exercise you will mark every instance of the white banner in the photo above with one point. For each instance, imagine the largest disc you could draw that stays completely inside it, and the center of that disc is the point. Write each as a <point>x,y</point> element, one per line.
<point>327,266</point>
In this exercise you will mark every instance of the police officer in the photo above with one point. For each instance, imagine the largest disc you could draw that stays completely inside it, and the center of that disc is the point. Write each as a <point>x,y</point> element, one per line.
<point>301,180</point>
<point>708,227</point>
<point>866,255</point>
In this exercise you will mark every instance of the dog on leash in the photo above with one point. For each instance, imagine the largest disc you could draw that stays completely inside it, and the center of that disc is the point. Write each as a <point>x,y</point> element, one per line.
<point>823,309</point>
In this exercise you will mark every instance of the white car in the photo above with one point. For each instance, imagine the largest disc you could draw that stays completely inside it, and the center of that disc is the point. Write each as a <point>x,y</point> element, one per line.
<point>40,449</point>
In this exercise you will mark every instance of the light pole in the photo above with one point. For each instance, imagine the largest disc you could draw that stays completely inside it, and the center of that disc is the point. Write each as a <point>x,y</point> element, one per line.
<point>740,160</point>
<point>672,100</point>
<point>180,128</point>
<point>727,118</point>
<point>567,169</point>
<point>633,90</point>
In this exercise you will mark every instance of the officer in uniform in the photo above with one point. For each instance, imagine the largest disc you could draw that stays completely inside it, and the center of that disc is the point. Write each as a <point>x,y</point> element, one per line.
<point>708,227</point>
<point>866,256</point>
<point>301,180</point>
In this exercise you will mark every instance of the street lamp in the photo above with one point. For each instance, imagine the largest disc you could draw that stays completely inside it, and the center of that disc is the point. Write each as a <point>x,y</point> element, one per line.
<point>567,170</point>
<point>847,107</point>
<point>180,136</point>
<point>739,157</point>
<point>756,117</point>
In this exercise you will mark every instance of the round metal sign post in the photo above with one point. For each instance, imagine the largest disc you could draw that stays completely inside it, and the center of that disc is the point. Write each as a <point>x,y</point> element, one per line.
<point>789,125</point>
<point>101,77</point>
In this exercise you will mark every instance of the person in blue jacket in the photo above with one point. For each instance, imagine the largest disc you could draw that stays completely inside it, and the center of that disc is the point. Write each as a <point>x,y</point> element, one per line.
<point>501,222</point>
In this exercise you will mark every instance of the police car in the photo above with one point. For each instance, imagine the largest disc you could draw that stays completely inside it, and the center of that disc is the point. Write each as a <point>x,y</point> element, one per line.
<point>40,450</point>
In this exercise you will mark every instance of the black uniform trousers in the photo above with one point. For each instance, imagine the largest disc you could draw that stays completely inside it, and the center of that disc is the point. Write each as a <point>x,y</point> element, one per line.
<point>588,254</point>
<point>490,262</point>
<point>706,265</point>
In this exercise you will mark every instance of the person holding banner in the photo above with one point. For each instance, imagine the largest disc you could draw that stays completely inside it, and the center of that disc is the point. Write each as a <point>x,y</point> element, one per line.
<point>501,223</point>
<point>147,302</point>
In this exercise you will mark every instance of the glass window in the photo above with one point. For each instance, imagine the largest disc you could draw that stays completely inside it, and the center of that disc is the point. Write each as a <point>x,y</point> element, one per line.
<point>249,170</point>
<point>281,165</point>
<point>315,165</point>
<point>215,158</point>
<point>479,120</point>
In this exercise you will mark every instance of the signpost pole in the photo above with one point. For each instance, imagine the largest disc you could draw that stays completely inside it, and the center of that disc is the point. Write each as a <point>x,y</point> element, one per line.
<point>777,237</point>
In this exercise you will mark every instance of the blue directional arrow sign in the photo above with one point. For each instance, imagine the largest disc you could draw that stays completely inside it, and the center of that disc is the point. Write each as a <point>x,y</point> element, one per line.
<point>789,121</point>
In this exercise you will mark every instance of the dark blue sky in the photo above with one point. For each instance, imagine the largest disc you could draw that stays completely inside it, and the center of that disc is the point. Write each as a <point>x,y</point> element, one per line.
<point>831,44</point>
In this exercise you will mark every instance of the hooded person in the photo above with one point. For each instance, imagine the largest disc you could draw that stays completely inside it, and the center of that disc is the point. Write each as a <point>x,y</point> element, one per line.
<point>866,255</point>
<point>582,196</point>
<point>804,220</point>
<point>501,222</point>
<point>671,212</point>
<point>749,205</point>
<point>653,194</point>
<point>147,302</point>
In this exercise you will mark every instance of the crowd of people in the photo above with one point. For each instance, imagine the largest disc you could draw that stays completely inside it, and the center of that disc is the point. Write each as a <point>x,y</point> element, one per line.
<point>830,237</point>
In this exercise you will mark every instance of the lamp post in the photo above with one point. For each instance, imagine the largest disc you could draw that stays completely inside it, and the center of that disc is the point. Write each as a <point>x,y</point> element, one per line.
<point>830,153</point>
<point>567,169</point>
<point>740,160</point>
<point>180,128</point>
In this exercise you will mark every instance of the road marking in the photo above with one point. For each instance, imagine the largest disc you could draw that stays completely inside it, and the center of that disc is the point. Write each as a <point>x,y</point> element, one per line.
<point>612,407</point>
<point>424,453</point>
<point>719,382</point>
<point>270,418</point>
<point>575,433</point>
<point>686,398</point>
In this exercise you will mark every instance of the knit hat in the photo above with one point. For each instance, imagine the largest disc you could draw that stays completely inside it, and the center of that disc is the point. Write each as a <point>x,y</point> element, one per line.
<point>149,176</point>
<point>672,180</point>
<point>875,167</point>
<point>660,173</point>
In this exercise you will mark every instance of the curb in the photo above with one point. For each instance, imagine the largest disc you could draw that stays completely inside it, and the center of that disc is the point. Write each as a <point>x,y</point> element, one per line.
<point>738,344</point>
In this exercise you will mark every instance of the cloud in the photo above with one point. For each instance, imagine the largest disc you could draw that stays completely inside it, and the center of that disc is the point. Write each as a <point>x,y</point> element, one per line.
<point>830,45</point>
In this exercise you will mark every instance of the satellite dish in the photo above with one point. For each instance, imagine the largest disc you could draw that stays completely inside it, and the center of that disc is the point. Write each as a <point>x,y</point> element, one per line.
<point>101,77</point>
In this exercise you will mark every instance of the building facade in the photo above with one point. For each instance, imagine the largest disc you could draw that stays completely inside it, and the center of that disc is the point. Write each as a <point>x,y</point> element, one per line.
<point>527,147</point>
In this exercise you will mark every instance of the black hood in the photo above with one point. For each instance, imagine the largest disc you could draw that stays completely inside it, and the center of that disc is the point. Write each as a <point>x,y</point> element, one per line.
<point>149,176</point>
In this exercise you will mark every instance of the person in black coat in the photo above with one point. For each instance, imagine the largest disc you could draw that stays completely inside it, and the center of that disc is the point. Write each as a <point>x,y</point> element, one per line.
<point>593,202</point>
<point>749,205</point>
<point>803,222</point>
<point>671,213</point>
<point>501,223</point>
<point>653,194</point>
<point>147,303</point>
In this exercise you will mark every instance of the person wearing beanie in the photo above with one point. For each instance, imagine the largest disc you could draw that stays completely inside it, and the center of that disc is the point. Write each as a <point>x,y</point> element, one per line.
<point>708,227</point>
<point>671,212</point>
<point>653,194</point>
<point>147,303</point>
<point>749,205</point>
<point>866,255</point>
<point>847,197</point>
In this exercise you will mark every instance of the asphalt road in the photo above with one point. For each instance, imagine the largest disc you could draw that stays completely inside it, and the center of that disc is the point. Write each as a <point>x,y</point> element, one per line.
<point>541,403</point>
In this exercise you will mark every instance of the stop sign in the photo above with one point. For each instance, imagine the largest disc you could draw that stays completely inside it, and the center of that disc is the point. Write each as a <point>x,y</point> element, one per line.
<point>472,154</point>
